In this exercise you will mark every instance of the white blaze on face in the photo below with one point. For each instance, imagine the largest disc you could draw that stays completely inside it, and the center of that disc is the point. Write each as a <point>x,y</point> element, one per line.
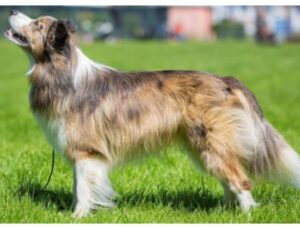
<point>18,21</point>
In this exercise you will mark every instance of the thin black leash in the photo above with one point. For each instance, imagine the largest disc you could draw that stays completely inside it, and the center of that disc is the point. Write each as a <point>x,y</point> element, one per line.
<point>51,172</point>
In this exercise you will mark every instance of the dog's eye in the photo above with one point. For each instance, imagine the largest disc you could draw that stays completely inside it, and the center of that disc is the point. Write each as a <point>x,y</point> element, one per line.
<point>36,23</point>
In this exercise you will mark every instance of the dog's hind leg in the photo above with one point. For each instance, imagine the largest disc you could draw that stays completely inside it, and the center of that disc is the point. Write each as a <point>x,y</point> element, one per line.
<point>91,186</point>
<point>235,182</point>
<point>215,150</point>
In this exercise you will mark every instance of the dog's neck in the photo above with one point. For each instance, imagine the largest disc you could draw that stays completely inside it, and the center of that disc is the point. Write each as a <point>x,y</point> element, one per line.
<point>84,69</point>
<point>77,66</point>
<point>55,81</point>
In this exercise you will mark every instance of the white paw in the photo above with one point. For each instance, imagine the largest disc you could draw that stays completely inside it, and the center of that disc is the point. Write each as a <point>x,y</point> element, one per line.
<point>245,208</point>
<point>80,212</point>
<point>246,201</point>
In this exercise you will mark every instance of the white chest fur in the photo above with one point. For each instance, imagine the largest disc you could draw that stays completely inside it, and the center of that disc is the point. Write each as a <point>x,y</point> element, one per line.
<point>54,130</point>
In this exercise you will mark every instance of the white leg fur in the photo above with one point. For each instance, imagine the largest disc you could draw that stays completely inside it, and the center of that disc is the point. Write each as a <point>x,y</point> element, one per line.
<point>246,201</point>
<point>91,186</point>
<point>244,197</point>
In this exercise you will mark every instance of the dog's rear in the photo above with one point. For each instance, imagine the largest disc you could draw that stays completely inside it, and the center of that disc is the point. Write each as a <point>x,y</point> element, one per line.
<point>234,140</point>
<point>270,156</point>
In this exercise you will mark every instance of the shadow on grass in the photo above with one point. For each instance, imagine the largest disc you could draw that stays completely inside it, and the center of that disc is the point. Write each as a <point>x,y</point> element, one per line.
<point>60,198</point>
<point>188,200</point>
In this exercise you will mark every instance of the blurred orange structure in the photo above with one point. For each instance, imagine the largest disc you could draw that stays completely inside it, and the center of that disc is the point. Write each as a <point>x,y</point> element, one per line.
<point>194,22</point>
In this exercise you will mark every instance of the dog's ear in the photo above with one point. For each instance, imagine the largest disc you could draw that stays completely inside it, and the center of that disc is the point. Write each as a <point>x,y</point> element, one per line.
<point>58,35</point>
<point>70,26</point>
<point>61,35</point>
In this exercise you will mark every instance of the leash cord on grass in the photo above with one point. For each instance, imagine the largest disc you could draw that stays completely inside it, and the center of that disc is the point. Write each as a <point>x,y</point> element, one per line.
<point>51,172</point>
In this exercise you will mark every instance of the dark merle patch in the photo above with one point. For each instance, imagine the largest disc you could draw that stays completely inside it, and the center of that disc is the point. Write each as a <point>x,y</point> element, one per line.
<point>201,130</point>
<point>233,83</point>
<point>45,93</point>
<point>228,90</point>
<point>159,84</point>
<point>133,113</point>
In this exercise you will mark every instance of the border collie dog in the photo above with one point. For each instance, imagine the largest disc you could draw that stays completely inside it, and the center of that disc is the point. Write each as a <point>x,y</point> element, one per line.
<point>97,117</point>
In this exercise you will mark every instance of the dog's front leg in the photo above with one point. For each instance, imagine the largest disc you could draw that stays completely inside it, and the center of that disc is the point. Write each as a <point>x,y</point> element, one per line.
<point>91,186</point>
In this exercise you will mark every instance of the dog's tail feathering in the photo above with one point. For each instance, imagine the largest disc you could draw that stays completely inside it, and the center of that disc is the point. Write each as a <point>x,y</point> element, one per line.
<point>274,158</point>
<point>265,151</point>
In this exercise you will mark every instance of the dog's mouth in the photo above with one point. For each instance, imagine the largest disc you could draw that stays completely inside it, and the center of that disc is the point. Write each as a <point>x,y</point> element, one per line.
<point>17,38</point>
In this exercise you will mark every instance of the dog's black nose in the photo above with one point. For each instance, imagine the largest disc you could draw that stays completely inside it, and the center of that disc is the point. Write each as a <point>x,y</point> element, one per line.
<point>13,12</point>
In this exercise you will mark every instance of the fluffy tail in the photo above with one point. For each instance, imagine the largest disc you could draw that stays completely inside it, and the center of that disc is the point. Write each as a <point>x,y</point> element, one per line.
<point>274,158</point>
<point>267,153</point>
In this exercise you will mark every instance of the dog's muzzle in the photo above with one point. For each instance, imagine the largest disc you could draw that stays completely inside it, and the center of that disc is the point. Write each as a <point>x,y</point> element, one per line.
<point>17,21</point>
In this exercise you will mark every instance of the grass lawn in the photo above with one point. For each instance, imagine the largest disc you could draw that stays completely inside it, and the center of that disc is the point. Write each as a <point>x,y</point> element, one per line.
<point>164,189</point>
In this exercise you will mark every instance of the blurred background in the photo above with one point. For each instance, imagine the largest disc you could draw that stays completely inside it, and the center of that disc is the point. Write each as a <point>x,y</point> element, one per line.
<point>268,24</point>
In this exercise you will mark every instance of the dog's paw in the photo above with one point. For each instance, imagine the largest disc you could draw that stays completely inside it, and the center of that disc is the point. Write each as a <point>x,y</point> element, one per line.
<point>247,206</point>
<point>80,212</point>
<point>246,201</point>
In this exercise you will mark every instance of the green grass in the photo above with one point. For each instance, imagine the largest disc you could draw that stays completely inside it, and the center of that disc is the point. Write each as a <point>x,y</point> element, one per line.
<point>167,189</point>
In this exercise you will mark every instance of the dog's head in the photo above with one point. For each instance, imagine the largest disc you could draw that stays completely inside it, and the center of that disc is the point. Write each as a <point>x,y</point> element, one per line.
<point>40,37</point>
